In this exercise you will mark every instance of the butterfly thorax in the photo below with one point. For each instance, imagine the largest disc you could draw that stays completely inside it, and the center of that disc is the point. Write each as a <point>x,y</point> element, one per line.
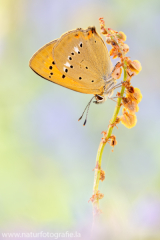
<point>107,90</point>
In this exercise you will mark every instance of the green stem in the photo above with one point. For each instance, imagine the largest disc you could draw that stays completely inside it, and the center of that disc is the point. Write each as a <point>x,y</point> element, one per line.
<point>102,145</point>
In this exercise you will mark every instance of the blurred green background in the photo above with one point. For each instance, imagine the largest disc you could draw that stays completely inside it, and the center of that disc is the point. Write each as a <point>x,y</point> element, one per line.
<point>47,156</point>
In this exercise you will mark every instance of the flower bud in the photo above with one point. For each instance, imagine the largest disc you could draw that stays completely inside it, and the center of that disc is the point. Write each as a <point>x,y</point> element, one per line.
<point>113,52</point>
<point>113,43</point>
<point>108,40</point>
<point>119,54</point>
<point>125,48</point>
<point>103,30</point>
<point>121,36</point>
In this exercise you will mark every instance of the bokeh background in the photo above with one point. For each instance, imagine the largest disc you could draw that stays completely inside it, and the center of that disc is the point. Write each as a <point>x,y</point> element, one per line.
<point>47,156</point>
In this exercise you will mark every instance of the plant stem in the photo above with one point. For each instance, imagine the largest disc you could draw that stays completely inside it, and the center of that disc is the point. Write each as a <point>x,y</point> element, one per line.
<point>103,142</point>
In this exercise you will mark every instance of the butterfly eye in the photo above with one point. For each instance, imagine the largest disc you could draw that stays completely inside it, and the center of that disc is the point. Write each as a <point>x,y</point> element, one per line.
<point>99,98</point>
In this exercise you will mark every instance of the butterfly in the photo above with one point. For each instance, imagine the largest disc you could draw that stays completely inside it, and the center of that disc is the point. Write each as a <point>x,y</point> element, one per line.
<point>78,60</point>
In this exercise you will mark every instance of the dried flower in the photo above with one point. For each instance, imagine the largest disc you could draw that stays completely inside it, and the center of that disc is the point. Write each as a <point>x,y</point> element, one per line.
<point>130,74</point>
<point>129,104</point>
<point>121,36</point>
<point>102,175</point>
<point>103,31</point>
<point>129,120</point>
<point>118,119</point>
<point>136,95</point>
<point>96,196</point>
<point>114,52</point>
<point>113,141</point>
<point>102,26</point>
<point>113,43</point>
<point>130,89</point>
<point>108,40</point>
<point>116,74</point>
<point>135,66</point>
<point>125,48</point>
<point>104,138</point>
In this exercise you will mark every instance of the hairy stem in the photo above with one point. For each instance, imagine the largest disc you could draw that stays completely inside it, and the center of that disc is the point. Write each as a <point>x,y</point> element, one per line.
<point>103,142</point>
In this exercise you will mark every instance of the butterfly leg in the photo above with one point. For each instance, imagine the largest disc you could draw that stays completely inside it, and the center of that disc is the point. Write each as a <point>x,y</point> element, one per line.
<point>110,79</point>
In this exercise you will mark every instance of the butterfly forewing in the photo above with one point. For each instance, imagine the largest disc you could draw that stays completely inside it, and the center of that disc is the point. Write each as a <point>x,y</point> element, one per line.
<point>44,65</point>
<point>83,56</point>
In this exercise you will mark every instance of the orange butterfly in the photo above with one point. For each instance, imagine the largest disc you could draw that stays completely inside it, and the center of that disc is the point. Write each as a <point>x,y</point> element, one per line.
<point>78,60</point>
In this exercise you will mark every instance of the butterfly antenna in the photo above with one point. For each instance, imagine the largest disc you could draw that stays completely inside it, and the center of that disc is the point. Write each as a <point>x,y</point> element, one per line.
<point>85,121</point>
<point>86,108</point>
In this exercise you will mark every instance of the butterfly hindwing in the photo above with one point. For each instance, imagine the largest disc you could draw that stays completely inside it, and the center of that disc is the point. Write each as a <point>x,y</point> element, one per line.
<point>83,55</point>
<point>44,65</point>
